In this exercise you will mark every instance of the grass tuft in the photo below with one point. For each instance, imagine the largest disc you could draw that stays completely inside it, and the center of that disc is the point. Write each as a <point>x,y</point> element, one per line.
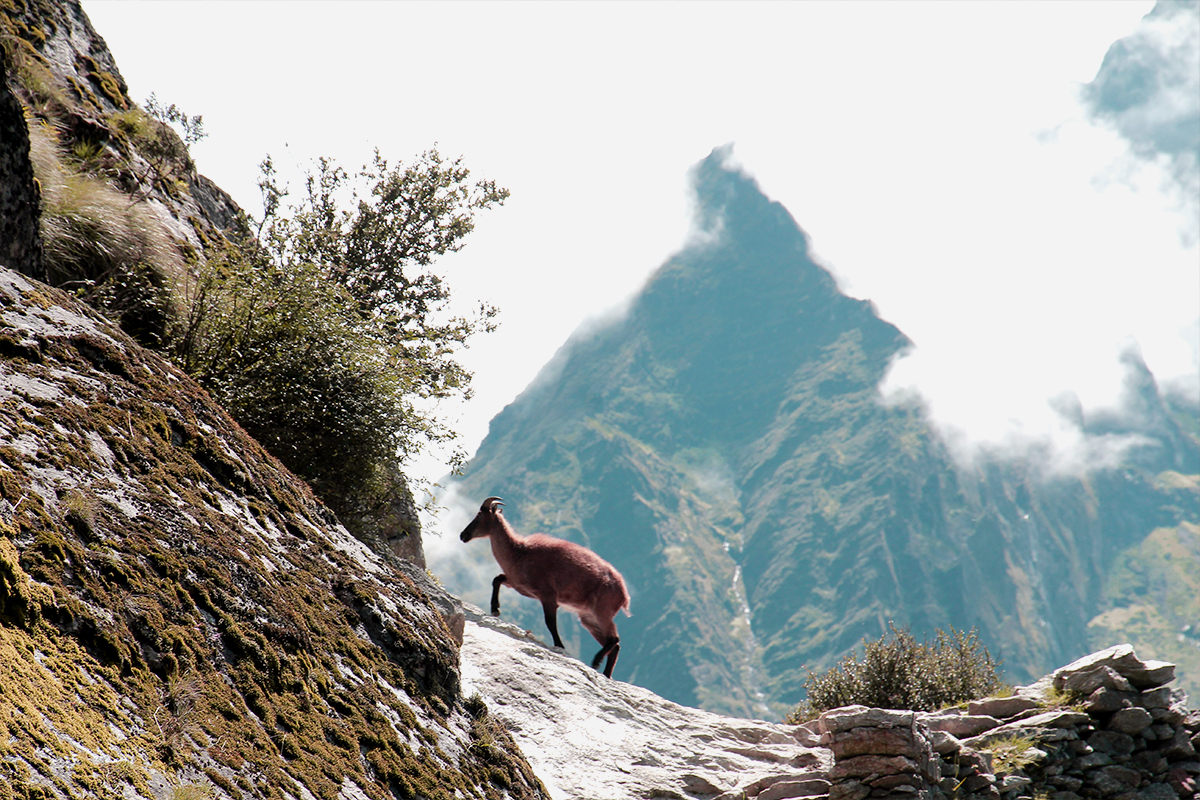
<point>114,254</point>
<point>1012,754</point>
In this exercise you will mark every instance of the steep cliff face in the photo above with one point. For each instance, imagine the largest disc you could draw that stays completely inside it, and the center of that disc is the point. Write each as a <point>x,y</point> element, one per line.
<point>177,609</point>
<point>20,238</point>
<point>123,219</point>
<point>725,446</point>
<point>66,78</point>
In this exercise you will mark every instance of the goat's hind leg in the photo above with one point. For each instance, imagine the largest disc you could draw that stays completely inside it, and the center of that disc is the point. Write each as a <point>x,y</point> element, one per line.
<point>499,579</point>
<point>611,648</point>
<point>606,635</point>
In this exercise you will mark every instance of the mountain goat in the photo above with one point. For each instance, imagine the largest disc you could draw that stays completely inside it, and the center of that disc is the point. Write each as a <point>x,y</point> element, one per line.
<point>557,573</point>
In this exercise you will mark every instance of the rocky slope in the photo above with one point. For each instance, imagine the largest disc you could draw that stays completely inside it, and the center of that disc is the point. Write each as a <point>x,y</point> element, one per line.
<point>101,197</point>
<point>724,445</point>
<point>177,611</point>
<point>1126,734</point>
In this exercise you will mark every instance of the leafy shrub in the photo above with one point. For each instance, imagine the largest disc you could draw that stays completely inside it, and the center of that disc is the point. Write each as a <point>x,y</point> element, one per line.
<point>164,151</point>
<point>291,359</point>
<point>323,336</point>
<point>903,673</point>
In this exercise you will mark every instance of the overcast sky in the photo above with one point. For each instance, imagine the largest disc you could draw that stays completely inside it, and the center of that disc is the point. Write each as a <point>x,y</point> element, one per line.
<point>946,159</point>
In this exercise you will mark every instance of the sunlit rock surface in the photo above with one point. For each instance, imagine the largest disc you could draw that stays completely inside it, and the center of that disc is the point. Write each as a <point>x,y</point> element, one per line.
<point>587,736</point>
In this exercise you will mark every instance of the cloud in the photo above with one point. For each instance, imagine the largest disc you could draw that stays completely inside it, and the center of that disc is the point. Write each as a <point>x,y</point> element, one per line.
<point>1068,260</point>
<point>1148,89</point>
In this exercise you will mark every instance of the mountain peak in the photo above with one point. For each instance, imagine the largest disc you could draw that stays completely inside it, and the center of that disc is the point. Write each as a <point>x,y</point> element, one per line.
<point>729,198</point>
<point>725,446</point>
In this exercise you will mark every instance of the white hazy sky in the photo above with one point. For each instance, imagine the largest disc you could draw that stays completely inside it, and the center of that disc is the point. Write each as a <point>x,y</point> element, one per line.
<point>936,153</point>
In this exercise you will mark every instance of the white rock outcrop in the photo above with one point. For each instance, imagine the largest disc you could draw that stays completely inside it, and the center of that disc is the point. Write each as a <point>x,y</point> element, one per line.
<point>587,736</point>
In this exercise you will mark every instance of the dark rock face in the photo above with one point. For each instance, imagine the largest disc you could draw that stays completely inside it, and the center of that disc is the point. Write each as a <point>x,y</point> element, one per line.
<point>20,239</point>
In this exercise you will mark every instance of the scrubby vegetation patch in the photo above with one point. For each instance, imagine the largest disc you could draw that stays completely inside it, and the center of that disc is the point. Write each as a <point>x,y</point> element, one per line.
<point>899,672</point>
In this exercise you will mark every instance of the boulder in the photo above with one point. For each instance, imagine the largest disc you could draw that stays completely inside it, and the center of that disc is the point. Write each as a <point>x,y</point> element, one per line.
<point>1130,720</point>
<point>1089,680</point>
<point>788,789</point>
<point>1081,674</point>
<point>1052,726</point>
<point>1113,743</point>
<point>1157,791</point>
<point>1179,747</point>
<point>1105,700</point>
<point>1091,760</point>
<point>897,783</point>
<point>871,767</point>
<point>1152,674</point>
<point>945,743</point>
<point>874,741</point>
<point>587,736</point>
<point>848,790</point>
<point>1114,779</point>
<point>1155,698</point>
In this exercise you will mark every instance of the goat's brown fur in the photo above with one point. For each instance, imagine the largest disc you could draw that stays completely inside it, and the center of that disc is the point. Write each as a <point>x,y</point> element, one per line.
<point>556,573</point>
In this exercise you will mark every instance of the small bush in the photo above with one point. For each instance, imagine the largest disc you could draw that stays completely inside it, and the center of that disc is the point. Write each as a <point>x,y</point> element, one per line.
<point>289,355</point>
<point>327,336</point>
<point>903,673</point>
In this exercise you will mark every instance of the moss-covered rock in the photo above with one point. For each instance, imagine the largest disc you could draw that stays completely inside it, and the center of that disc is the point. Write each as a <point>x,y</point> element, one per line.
<point>178,610</point>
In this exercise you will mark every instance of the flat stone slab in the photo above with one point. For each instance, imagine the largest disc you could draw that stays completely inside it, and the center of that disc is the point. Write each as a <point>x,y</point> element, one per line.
<point>1130,720</point>
<point>843,719</point>
<point>1155,674</point>
<point>1099,677</point>
<point>961,725</point>
<point>588,736</point>
<point>1000,707</point>
<point>1049,727</point>
<point>875,741</point>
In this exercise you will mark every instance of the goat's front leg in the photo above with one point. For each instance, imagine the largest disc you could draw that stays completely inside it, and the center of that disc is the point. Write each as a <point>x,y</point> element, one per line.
<point>550,607</point>
<point>499,579</point>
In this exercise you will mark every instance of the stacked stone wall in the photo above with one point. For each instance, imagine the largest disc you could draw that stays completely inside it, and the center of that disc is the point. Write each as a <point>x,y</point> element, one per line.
<point>1106,727</point>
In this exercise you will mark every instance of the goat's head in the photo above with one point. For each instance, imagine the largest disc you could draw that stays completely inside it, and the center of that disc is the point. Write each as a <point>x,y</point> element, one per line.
<point>482,524</point>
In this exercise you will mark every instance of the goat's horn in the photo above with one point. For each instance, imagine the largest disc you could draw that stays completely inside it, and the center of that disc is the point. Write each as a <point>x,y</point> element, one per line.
<point>487,504</point>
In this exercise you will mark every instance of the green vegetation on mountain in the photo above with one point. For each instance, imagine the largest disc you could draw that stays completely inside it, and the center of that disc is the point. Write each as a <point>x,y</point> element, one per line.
<point>180,616</point>
<point>1154,598</point>
<point>724,444</point>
